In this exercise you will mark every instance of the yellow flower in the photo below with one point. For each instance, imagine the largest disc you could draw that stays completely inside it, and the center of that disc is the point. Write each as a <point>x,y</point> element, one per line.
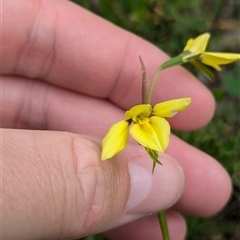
<point>148,127</point>
<point>195,53</point>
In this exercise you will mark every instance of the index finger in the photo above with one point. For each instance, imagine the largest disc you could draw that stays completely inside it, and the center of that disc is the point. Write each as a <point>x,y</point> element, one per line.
<point>65,45</point>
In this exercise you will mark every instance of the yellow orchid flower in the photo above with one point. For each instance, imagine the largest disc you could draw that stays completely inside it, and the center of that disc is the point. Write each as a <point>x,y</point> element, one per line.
<point>194,52</point>
<point>148,127</point>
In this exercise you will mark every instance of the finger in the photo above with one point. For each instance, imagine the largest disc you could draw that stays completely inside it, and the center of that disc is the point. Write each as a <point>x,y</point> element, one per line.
<point>34,104</point>
<point>72,48</point>
<point>37,105</point>
<point>55,186</point>
<point>148,228</point>
<point>207,184</point>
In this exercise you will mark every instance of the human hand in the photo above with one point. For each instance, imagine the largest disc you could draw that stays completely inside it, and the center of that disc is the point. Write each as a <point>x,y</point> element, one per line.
<point>72,75</point>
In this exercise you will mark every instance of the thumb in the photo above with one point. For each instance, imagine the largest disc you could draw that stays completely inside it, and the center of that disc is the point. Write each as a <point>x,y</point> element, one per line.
<point>54,185</point>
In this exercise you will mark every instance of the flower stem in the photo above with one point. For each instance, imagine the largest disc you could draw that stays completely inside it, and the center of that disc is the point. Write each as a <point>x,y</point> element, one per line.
<point>170,63</point>
<point>162,219</point>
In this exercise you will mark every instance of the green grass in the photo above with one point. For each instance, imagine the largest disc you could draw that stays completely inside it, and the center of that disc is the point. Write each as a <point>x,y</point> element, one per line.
<point>168,24</point>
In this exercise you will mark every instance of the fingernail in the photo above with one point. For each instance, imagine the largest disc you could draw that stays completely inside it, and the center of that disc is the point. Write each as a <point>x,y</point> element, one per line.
<point>157,191</point>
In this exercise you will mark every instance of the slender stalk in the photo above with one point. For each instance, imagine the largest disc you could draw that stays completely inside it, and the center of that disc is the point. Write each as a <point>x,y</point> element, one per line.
<point>150,92</point>
<point>162,219</point>
<point>170,63</point>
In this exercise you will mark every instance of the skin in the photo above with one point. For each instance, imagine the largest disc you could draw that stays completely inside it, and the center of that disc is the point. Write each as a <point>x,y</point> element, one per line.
<point>67,76</point>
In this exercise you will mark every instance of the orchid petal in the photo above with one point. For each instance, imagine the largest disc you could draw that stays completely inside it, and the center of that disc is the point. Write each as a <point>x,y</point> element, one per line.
<point>188,45</point>
<point>172,107</point>
<point>162,129</point>
<point>115,140</point>
<point>145,135</point>
<point>215,59</point>
<point>137,110</point>
<point>199,44</point>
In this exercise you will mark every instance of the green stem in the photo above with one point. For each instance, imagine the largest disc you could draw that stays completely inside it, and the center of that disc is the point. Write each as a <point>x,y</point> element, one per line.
<point>170,63</point>
<point>162,219</point>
